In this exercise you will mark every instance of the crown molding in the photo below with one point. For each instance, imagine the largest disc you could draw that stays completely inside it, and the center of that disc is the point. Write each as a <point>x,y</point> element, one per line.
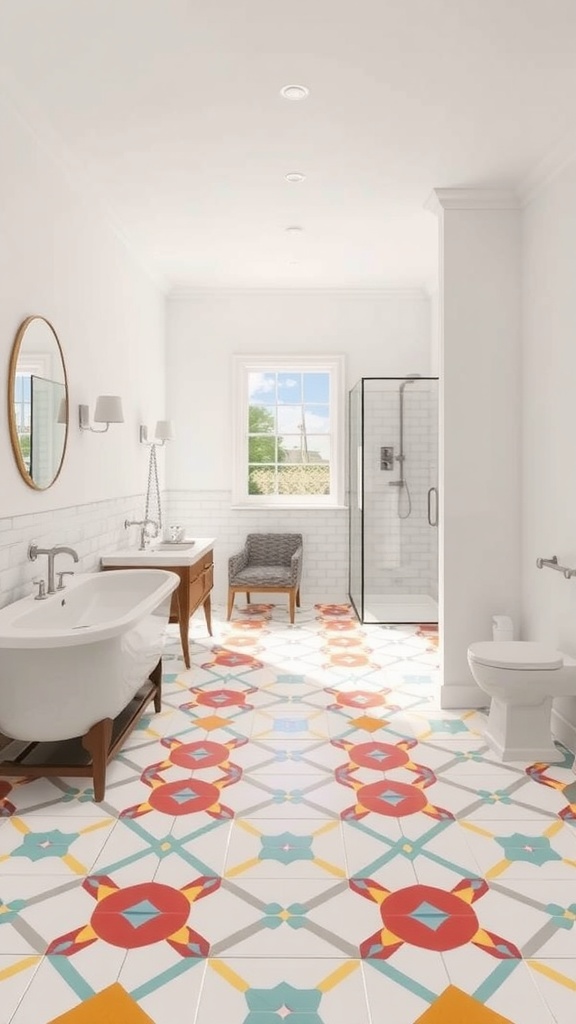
<point>472,199</point>
<point>416,292</point>
<point>546,170</point>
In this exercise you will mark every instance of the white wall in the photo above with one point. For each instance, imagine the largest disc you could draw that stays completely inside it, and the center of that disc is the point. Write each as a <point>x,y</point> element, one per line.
<point>61,259</point>
<point>549,423</point>
<point>479,414</point>
<point>383,333</point>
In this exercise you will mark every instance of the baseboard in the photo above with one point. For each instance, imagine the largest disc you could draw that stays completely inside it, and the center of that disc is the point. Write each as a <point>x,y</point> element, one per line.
<point>564,730</point>
<point>462,695</point>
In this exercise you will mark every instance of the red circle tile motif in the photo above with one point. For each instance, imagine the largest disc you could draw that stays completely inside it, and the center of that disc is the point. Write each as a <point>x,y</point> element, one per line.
<point>185,796</point>
<point>425,916</point>
<point>221,698</point>
<point>203,754</point>
<point>360,698</point>
<point>393,799</point>
<point>140,915</point>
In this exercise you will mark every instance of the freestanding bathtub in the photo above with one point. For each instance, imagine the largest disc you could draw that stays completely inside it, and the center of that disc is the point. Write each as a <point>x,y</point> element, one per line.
<point>70,664</point>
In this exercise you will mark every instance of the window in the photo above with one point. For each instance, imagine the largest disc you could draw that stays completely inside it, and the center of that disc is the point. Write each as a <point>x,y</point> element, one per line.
<point>289,431</point>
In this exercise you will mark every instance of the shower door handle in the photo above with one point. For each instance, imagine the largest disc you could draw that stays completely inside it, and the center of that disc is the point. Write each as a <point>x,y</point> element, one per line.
<point>433,521</point>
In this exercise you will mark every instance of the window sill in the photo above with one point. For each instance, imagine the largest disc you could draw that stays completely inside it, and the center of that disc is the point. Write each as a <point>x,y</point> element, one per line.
<point>289,508</point>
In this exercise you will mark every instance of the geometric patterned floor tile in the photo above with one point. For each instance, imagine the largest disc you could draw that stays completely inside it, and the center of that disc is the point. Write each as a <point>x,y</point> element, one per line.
<point>113,1004</point>
<point>360,849</point>
<point>454,1007</point>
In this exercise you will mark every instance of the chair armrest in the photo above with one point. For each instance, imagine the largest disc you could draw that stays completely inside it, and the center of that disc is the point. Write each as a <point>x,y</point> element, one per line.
<point>296,565</point>
<point>236,563</point>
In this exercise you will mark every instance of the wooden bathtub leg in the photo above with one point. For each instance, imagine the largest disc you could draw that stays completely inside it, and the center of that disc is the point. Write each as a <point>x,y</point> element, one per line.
<point>156,678</point>
<point>97,743</point>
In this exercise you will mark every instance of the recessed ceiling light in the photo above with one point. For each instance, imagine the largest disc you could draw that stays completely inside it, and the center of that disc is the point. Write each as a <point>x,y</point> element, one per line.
<point>294,229</point>
<point>295,176</point>
<point>294,92</point>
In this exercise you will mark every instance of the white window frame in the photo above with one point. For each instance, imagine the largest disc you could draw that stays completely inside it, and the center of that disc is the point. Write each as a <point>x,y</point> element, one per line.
<point>334,365</point>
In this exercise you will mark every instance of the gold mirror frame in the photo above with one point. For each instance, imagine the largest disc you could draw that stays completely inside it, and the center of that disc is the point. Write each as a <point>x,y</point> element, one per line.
<point>14,439</point>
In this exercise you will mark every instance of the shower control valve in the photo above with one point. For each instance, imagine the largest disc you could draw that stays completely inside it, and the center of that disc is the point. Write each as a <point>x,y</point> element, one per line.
<point>387,457</point>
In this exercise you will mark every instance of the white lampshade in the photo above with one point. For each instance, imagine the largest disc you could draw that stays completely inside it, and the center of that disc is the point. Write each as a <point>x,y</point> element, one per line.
<point>164,430</point>
<point>108,409</point>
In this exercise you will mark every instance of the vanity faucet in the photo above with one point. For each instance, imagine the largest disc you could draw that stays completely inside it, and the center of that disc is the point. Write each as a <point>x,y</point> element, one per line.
<point>143,524</point>
<point>34,551</point>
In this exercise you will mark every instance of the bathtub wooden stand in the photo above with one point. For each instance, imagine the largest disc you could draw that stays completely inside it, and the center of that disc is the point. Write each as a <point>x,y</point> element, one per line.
<point>99,744</point>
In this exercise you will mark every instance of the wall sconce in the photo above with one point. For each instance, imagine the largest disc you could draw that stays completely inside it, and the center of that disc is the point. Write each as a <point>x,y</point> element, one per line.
<point>163,432</point>
<point>108,410</point>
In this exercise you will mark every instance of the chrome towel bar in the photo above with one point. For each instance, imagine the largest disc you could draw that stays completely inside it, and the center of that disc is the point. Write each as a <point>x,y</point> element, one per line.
<point>552,563</point>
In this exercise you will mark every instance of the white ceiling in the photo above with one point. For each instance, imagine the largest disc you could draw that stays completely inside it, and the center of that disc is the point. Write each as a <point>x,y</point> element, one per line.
<point>171,110</point>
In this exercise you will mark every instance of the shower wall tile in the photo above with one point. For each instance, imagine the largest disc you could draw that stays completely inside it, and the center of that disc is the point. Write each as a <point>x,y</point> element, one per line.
<point>401,555</point>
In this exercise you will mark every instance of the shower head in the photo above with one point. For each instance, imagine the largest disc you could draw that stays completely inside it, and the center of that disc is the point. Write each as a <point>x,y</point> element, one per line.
<point>410,378</point>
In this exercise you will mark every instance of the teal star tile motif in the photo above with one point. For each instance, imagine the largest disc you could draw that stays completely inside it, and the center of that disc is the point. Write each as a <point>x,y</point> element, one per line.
<point>498,796</point>
<point>293,916</point>
<point>533,849</point>
<point>283,1003</point>
<point>450,725</point>
<point>286,848</point>
<point>563,918</point>
<point>38,845</point>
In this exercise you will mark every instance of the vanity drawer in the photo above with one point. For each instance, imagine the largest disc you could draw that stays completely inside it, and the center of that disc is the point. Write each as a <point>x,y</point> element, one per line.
<point>209,578</point>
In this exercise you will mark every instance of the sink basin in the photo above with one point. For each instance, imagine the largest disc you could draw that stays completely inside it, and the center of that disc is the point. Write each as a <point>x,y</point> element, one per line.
<point>174,545</point>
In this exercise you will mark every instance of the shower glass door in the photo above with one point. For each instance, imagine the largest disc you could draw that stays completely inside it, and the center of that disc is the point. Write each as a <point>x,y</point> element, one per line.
<point>394,578</point>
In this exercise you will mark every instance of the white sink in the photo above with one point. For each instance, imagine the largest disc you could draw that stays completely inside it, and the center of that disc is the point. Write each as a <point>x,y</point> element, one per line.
<point>160,553</point>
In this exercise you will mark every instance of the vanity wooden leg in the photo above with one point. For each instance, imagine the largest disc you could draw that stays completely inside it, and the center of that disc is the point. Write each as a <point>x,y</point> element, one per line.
<point>231,596</point>
<point>208,612</point>
<point>97,743</point>
<point>156,678</point>
<point>184,618</point>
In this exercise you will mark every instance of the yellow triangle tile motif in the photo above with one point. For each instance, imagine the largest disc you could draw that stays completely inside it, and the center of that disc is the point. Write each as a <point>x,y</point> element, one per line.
<point>454,1006</point>
<point>112,1004</point>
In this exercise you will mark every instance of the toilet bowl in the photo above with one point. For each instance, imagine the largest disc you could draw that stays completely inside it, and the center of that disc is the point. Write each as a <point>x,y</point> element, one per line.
<point>522,678</point>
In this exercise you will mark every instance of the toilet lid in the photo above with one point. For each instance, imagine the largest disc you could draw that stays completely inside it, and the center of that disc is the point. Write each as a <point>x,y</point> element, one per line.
<point>520,654</point>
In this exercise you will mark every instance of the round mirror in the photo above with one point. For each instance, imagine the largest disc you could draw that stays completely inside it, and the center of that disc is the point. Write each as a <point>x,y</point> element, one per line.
<point>38,402</point>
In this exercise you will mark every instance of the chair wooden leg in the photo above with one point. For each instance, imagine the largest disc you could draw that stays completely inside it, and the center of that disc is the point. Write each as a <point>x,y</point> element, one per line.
<point>298,598</point>
<point>247,597</point>
<point>231,596</point>
<point>292,599</point>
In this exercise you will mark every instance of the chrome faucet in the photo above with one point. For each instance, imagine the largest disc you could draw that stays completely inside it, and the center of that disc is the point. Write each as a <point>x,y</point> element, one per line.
<point>143,524</point>
<point>34,551</point>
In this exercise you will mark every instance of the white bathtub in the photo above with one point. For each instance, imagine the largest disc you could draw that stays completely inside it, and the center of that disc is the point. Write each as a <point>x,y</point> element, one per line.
<point>81,655</point>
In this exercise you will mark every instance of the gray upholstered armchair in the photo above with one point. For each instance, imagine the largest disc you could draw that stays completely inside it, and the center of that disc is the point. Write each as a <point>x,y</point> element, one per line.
<point>267,562</point>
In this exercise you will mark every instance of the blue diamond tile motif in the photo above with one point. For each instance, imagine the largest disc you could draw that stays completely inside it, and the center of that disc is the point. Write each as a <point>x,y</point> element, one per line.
<point>391,798</point>
<point>141,913</point>
<point>377,755</point>
<point>183,795</point>
<point>199,754</point>
<point>429,915</point>
<point>289,725</point>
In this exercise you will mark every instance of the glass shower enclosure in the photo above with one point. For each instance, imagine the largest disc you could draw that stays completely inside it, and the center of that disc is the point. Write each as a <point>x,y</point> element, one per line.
<point>393,494</point>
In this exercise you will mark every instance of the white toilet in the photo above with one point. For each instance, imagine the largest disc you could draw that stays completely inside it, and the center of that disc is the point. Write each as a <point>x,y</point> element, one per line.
<point>522,678</point>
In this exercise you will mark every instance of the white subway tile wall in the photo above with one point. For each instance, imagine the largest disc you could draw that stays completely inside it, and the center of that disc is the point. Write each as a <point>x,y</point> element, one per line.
<point>325,533</point>
<point>400,555</point>
<point>90,529</point>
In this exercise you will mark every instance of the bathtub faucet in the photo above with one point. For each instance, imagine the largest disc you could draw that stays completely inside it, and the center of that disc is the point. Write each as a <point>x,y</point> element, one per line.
<point>143,524</point>
<point>34,551</point>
